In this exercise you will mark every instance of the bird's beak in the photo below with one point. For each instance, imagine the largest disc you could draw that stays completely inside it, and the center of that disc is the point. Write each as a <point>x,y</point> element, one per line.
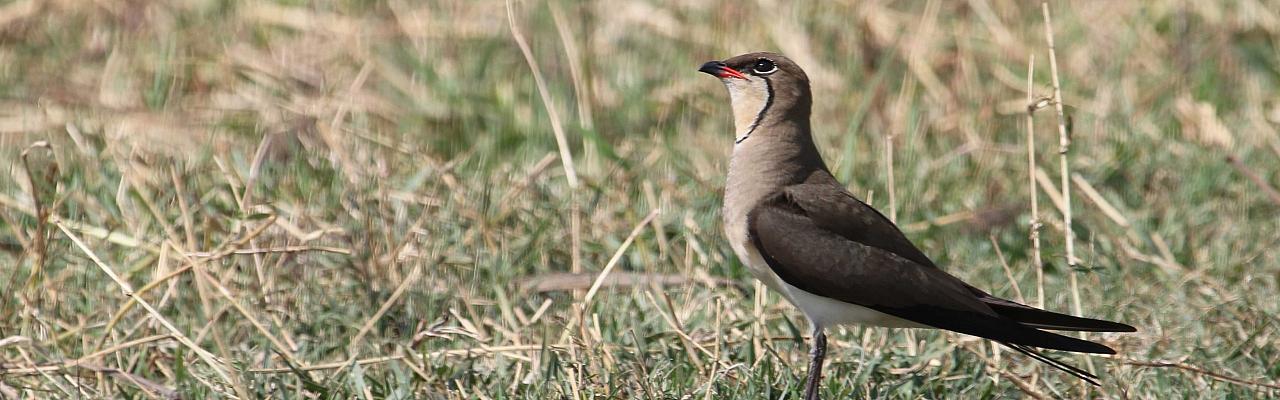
<point>719,70</point>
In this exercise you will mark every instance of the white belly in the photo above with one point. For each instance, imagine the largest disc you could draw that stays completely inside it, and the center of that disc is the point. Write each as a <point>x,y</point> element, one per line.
<point>824,311</point>
<point>821,311</point>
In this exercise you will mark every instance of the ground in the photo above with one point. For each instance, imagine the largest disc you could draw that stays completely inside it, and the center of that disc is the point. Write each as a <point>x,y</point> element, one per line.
<point>400,199</point>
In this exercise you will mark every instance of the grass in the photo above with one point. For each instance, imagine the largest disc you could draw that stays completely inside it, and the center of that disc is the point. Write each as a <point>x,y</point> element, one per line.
<point>366,199</point>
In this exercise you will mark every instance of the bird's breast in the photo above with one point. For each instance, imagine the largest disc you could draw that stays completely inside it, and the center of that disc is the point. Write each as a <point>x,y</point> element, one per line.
<point>745,186</point>
<point>740,240</point>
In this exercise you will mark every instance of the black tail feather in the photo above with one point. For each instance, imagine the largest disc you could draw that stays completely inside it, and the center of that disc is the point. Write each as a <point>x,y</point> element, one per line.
<point>1042,319</point>
<point>1061,366</point>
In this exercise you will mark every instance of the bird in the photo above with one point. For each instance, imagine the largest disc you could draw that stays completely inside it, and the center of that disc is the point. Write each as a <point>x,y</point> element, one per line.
<point>839,260</point>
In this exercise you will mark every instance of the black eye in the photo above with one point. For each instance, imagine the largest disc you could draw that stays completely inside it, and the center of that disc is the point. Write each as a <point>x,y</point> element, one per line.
<point>763,67</point>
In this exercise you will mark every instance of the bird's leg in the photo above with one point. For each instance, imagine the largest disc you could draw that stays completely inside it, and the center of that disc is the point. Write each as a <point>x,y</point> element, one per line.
<point>816,355</point>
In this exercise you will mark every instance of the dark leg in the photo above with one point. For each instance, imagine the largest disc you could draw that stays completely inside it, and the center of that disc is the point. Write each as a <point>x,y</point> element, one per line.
<point>816,355</point>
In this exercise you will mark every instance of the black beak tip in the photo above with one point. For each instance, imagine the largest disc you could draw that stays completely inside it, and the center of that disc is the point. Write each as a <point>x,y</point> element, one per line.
<point>712,67</point>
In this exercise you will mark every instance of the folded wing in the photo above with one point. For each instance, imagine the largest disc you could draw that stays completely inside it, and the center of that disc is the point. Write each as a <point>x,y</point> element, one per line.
<point>791,231</point>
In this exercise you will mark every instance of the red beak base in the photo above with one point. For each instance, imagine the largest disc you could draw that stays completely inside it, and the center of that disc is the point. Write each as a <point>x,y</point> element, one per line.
<point>719,70</point>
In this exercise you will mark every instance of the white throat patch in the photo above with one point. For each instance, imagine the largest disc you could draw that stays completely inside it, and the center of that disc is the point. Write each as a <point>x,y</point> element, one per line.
<point>750,99</point>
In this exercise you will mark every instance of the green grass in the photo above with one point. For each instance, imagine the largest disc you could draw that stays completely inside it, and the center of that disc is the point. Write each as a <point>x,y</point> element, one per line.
<point>364,146</point>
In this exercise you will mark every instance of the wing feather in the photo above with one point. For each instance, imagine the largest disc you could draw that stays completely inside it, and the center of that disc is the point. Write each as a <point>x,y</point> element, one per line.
<point>792,236</point>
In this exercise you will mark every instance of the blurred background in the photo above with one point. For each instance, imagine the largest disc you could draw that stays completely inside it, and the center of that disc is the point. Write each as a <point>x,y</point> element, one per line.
<point>397,199</point>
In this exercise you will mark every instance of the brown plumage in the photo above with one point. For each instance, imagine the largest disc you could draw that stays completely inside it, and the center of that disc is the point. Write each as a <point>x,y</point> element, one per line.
<point>836,258</point>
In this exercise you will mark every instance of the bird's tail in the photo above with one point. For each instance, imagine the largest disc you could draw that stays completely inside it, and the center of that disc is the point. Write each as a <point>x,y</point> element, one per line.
<point>1037,318</point>
<point>1061,366</point>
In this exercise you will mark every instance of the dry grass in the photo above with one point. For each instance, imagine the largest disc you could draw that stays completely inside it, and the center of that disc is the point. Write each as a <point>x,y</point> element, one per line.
<point>343,199</point>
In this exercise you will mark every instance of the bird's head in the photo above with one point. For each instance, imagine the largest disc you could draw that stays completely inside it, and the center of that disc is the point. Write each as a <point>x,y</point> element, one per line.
<point>764,88</point>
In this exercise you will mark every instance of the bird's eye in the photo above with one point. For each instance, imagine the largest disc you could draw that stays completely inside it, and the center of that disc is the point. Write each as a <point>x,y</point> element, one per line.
<point>764,67</point>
